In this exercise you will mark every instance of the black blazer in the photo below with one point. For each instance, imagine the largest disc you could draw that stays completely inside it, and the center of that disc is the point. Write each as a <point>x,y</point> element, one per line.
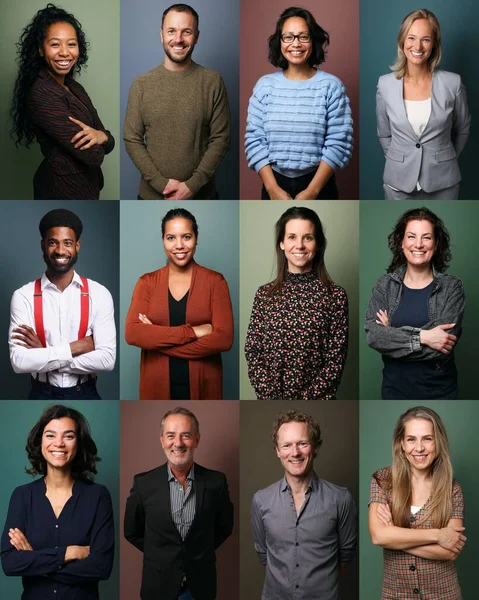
<point>67,173</point>
<point>149,527</point>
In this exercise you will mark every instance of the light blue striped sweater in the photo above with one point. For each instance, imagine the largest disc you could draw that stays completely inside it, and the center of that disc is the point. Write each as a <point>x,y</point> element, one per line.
<point>294,125</point>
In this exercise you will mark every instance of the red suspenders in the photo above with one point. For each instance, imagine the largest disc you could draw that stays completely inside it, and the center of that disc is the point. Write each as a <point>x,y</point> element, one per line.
<point>38,310</point>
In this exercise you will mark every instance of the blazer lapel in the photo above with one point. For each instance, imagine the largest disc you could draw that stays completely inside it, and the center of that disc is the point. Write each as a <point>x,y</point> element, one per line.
<point>164,503</point>
<point>400,98</point>
<point>199,491</point>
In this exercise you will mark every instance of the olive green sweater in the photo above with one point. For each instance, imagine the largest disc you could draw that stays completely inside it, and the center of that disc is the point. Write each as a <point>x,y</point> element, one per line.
<point>177,126</point>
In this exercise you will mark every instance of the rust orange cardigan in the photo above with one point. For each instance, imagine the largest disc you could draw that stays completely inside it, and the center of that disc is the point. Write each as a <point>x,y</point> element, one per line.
<point>208,302</point>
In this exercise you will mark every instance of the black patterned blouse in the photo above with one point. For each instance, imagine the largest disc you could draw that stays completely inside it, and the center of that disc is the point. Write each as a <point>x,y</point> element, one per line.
<point>297,340</point>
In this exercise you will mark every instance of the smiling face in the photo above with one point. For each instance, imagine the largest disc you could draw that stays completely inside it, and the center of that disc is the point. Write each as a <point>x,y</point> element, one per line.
<point>179,35</point>
<point>60,50</point>
<point>294,449</point>
<point>59,443</point>
<point>179,440</point>
<point>179,241</point>
<point>419,43</point>
<point>60,249</point>
<point>418,243</point>
<point>299,245</point>
<point>296,52</point>
<point>419,444</point>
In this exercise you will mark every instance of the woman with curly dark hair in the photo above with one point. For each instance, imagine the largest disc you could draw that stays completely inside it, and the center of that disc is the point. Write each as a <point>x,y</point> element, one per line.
<point>50,106</point>
<point>299,128</point>
<point>59,532</point>
<point>414,317</point>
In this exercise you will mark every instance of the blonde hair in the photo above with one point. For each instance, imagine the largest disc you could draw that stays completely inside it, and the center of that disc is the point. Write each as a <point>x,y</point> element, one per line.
<point>400,66</point>
<point>439,507</point>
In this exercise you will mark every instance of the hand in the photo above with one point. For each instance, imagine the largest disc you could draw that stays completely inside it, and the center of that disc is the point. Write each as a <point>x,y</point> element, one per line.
<point>144,319</point>
<point>176,190</point>
<point>278,193</point>
<point>438,339</point>
<point>18,539</point>
<point>307,194</point>
<point>451,538</point>
<point>87,136</point>
<point>201,330</point>
<point>384,514</point>
<point>382,318</point>
<point>82,346</point>
<point>76,553</point>
<point>27,336</point>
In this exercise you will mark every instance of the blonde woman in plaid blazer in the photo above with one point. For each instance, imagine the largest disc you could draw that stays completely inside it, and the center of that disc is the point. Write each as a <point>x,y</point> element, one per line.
<point>416,512</point>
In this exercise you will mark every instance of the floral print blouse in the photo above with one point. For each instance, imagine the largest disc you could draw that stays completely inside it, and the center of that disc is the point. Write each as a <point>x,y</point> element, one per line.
<point>297,339</point>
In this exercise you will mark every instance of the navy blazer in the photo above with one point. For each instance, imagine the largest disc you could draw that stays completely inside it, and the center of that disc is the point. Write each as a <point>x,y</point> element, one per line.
<point>431,158</point>
<point>166,557</point>
<point>66,173</point>
<point>86,520</point>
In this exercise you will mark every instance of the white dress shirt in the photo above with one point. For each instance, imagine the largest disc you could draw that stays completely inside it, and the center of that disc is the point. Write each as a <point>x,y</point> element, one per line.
<point>61,319</point>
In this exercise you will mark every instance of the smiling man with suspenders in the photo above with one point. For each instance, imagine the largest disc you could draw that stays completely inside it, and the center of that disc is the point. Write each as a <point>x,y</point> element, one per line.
<point>62,327</point>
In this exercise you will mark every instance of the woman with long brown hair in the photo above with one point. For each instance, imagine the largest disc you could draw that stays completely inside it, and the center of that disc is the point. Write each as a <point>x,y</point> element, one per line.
<point>298,332</point>
<point>416,512</point>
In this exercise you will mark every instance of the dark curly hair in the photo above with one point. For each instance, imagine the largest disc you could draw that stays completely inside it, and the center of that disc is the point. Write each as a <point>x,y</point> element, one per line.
<point>295,416</point>
<point>319,39</point>
<point>442,254</point>
<point>84,463</point>
<point>60,217</point>
<point>30,63</point>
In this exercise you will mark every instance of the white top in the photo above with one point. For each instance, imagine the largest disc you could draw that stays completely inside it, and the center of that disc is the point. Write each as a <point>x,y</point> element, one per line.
<point>418,113</point>
<point>61,320</point>
<point>415,509</point>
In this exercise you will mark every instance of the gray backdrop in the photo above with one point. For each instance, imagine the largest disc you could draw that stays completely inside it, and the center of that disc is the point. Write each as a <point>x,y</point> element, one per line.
<point>142,252</point>
<point>141,50</point>
<point>21,261</point>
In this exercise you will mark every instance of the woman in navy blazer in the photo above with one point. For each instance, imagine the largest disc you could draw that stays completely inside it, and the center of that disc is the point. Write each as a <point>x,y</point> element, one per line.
<point>59,532</point>
<point>422,116</point>
<point>50,106</point>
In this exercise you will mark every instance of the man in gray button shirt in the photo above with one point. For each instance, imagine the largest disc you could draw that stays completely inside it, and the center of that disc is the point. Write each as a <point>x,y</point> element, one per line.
<point>304,527</point>
<point>178,515</point>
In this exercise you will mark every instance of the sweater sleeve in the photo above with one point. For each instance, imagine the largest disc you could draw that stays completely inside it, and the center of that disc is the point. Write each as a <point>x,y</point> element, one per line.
<point>256,144</point>
<point>338,140</point>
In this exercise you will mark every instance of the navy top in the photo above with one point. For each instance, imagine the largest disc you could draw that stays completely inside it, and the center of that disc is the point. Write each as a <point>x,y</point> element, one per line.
<point>420,379</point>
<point>86,520</point>
<point>179,367</point>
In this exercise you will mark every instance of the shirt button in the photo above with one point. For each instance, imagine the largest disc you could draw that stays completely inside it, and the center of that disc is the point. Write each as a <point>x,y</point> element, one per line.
<point>297,565</point>
<point>412,568</point>
<point>297,587</point>
<point>418,145</point>
<point>56,526</point>
<point>297,544</point>
<point>416,591</point>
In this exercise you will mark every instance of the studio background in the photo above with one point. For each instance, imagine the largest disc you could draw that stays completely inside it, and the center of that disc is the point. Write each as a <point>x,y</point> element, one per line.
<point>379,27</point>
<point>341,226</point>
<point>377,422</point>
<point>141,451</point>
<point>377,221</point>
<point>142,252</point>
<point>21,261</point>
<point>141,50</point>
<point>16,421</point>
<point>336,462</point>
<point>341,20</point>
<point>100,78</point>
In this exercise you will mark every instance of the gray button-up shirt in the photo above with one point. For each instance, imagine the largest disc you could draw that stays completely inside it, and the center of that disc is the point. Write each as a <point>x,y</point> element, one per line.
<point>182,502</point>
<point>302,553</point>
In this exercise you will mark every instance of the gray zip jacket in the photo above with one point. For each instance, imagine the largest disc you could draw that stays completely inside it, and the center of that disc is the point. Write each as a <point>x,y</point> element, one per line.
<point>446,305</point>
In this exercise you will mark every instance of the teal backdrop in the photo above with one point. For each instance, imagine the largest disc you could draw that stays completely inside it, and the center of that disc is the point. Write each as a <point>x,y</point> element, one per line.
<point>377,220</point>
<point>16,421</point>
<point>100,78</point>
<point>141,251</point>
<point>377,421</point>
<point>379,25</point>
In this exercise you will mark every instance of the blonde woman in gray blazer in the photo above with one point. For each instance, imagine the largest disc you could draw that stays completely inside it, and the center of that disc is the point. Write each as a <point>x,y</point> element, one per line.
<point>422,116</point>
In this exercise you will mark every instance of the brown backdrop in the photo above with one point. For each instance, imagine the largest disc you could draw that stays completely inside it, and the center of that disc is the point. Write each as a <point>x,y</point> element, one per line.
<point>140,450</point>
<point>337,461</point>
<point>340,19</point>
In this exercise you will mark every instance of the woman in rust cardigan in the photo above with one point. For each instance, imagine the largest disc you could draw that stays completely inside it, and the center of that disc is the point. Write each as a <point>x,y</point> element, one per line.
<point>181,317</point>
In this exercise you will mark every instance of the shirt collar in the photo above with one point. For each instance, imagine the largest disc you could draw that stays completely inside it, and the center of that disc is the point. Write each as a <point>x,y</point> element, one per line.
<point>189,477</point>
<point>313,484</point>
<point>45,282</point>
<point>398,274</point>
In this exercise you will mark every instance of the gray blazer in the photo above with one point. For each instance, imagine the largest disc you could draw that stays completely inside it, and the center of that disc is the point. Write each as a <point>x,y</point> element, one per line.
<point>432,158</point>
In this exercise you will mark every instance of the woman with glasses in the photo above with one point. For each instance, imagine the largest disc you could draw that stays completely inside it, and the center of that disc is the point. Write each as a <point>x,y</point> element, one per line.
<point>299,128</point>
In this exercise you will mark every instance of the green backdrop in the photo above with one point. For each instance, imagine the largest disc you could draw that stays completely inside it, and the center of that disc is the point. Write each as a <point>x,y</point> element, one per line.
<point>377,220</point>
<point>100,78</point>
<point>16,420</point>
<point>340,222</point>
<point>376,425</point>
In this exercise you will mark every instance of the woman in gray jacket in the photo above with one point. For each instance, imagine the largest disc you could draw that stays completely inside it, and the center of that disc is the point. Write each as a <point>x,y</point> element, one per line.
<point>414,317</point>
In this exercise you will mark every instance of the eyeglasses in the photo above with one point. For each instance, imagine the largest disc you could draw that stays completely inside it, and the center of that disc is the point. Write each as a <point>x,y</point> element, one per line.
<point>288,38</point>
